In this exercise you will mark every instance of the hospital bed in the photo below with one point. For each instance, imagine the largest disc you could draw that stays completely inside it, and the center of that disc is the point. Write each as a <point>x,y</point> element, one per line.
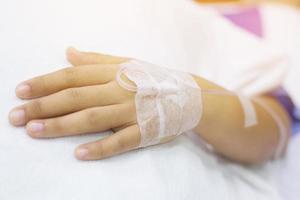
<point>33,37</point>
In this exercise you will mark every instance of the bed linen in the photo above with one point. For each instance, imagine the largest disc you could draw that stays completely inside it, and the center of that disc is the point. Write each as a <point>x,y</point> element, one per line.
<point>33,37</point>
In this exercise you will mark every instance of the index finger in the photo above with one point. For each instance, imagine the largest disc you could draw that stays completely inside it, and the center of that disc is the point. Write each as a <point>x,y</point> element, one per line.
<point>66,78</point>
<point>78,58</point>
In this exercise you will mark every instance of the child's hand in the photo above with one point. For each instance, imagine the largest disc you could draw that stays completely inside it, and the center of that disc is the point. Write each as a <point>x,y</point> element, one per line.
<point>78,100</point>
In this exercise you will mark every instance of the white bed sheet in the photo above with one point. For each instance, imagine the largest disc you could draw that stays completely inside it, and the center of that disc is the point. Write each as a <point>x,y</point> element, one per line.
<point>283,30</point>
<point>33,36</point>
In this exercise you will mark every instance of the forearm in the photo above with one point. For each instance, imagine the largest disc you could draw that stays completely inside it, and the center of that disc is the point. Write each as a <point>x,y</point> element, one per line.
<point>222,126</point>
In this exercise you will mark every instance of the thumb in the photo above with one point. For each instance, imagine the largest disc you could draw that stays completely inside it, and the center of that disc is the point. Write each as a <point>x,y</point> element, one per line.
<point>76,58</point>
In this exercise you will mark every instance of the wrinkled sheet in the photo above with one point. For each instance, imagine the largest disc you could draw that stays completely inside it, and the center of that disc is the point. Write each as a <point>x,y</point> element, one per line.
<point>33,37</point>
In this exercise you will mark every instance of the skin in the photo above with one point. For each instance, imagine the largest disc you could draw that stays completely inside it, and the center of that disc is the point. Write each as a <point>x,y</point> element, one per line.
<point>85,98</point>
<point>222,126</point>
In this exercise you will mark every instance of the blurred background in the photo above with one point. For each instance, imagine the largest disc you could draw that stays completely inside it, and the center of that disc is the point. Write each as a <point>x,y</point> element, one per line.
<point>276,23</point>
<point>290,2</point>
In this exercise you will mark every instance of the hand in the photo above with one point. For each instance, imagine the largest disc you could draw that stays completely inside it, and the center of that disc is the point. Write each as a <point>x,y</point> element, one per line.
<point>79,100</point>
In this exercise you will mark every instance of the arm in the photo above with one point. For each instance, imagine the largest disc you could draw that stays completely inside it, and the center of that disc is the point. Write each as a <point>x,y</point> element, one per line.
<point>222,123</point>
<point>222,126</point>
<point>86,99</point>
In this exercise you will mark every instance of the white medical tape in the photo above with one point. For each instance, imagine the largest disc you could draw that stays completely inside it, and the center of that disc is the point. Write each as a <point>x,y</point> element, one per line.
<point>250,117</point>
<point>168,102</point>
<point>283,130</point>
<point>249,111</point>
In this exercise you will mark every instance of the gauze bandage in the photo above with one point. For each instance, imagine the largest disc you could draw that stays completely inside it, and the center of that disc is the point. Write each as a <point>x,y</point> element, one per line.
<point>168,102</point>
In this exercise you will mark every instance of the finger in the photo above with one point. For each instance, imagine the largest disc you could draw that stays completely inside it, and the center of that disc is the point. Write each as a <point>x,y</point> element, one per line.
<point>124,140</point>
<point>66,78</point>
<point>90,120</point>
<point>68,101</point>
<point>78,58</point>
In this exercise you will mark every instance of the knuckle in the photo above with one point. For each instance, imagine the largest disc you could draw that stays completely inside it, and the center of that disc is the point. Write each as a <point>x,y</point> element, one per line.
<point>124,93</point>
<point>99,150</point>
<point>130,108</point>
<point>92,118</point>
<point>69,76</point>
<point>120,145</point>
<point>73,93</point>
<point>57,126</point>
<point>40,82</point>
<point>35,108</point>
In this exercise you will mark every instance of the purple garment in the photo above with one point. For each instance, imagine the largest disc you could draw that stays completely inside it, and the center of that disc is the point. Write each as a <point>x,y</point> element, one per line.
<point>296,124</point>
<point>284,99</point>
<point>248,19</point>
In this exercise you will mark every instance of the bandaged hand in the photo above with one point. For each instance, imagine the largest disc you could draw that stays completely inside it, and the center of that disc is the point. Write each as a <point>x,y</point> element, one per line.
<point>141,103</point>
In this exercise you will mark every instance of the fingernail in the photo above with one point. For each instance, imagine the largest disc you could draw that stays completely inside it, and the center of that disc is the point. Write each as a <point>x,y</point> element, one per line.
<point>74,51</point>
<point>35,127</point>
<point>17,117</point>
<point>81,153</point>
<point>23,90</point>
